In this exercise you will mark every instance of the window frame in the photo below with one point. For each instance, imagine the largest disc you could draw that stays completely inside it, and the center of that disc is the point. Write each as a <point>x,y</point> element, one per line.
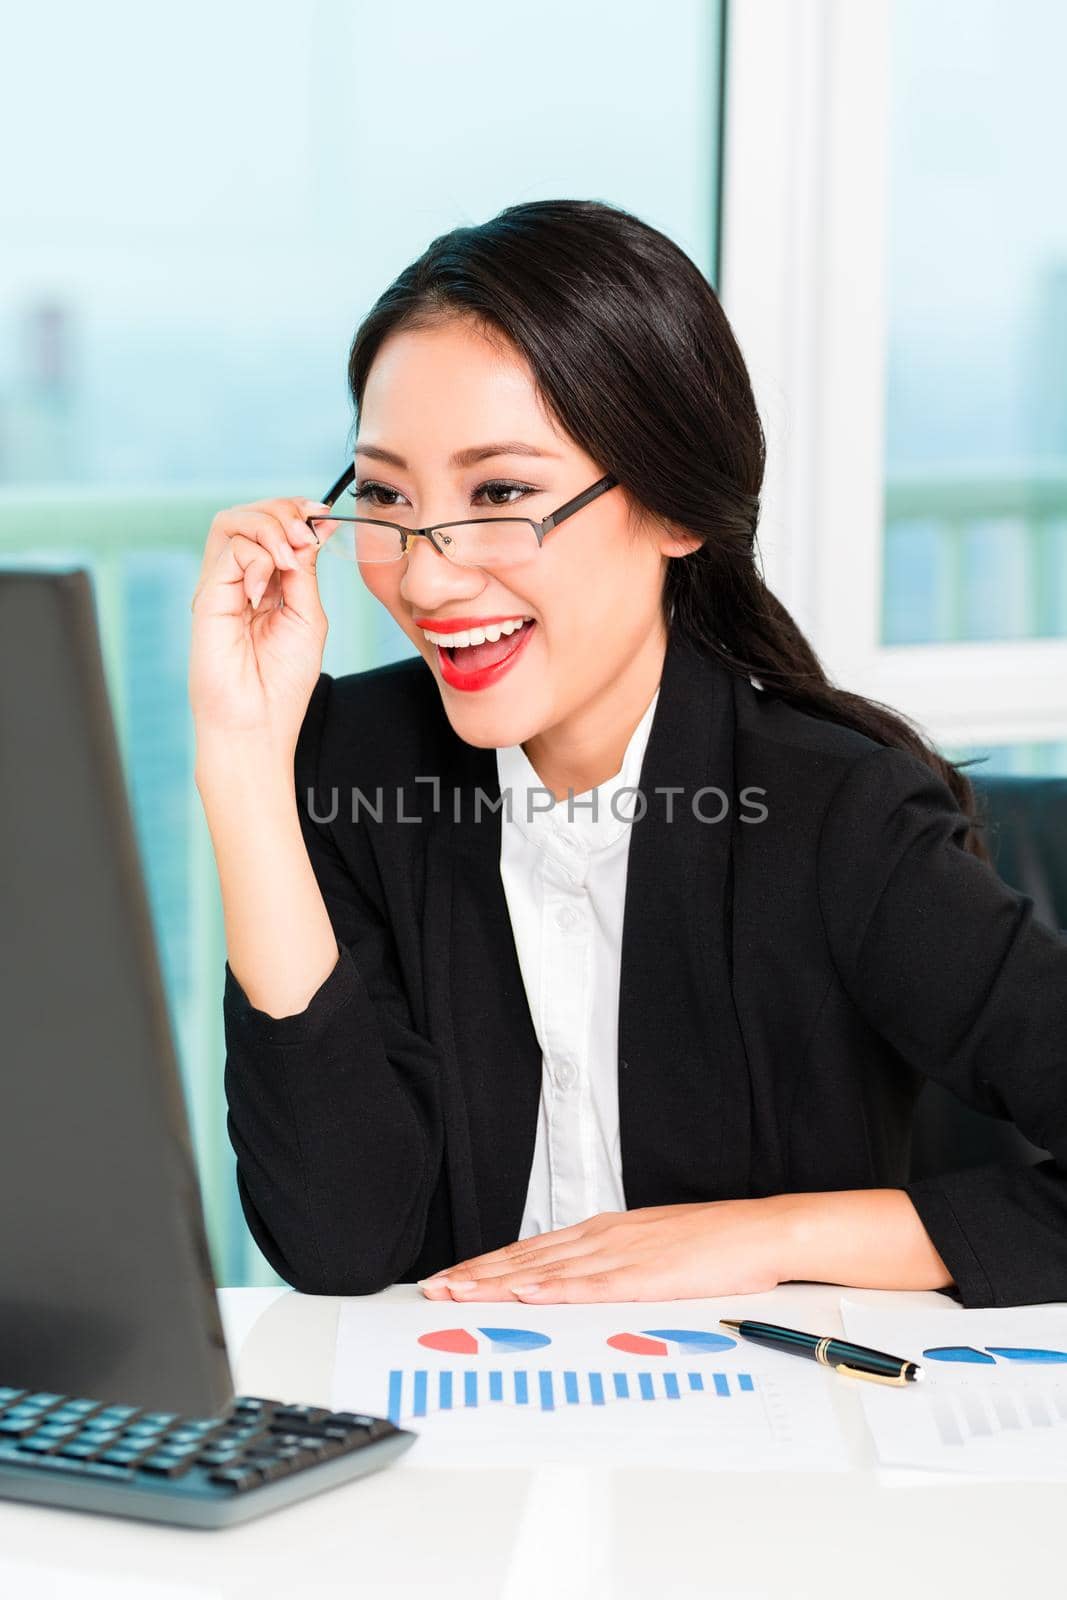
<point>803,281</point>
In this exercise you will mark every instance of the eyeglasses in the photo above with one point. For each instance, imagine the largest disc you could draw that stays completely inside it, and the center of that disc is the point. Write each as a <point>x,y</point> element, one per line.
<point>486,542</point>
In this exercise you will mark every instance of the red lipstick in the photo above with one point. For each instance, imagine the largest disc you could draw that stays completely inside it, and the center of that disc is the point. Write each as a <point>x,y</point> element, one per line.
<point>460,624</point>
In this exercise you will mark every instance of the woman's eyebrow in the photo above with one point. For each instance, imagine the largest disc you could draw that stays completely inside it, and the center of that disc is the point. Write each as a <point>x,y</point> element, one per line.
<point>461,458</point>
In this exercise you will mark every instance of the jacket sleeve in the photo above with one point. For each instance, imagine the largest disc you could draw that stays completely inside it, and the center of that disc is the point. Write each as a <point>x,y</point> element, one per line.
<point>949,965</point>
<point>334,1111</point>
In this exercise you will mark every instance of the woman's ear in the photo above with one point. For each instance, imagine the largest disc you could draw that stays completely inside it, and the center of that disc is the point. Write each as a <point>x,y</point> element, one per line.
<point>675,540</point>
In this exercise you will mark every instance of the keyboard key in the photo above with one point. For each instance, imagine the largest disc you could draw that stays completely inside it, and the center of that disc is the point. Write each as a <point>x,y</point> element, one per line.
<point>9,1396</point>
<point>293,1453</point>
<point>75,1410</point>
<point>237,1477</point>
<point>118,1413</point>
<point>159,1419</point>
<point>38,1445</point>
<point>43,1401</point>
<point>12,1427</point>
<point>166,1466</point>
<point>59,1464</point>
<point>100,1436</point>
<point>319,1448</point>
<point>301,1414</point>
<point>57,1435</point>
<point>298,1427</point>
<point>213,1457</point>
<point>119,1456</point>
<point>62,1418</point>
<point>270,1470</point>
<point>78,1452</point>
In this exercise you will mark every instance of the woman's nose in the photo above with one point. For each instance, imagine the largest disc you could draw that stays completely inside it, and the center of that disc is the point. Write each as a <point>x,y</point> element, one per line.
<point>430,578</point>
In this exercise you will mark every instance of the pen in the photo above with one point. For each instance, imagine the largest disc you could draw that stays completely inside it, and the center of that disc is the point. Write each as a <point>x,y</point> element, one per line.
<point>853,1360</point>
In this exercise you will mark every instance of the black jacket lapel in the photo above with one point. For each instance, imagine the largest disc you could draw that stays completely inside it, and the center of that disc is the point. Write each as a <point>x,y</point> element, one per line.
<point>684,1102</point>
<point>494,1079</point>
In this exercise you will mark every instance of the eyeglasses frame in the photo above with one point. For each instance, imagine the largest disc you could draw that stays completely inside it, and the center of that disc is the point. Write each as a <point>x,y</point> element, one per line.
<point>540,529</point>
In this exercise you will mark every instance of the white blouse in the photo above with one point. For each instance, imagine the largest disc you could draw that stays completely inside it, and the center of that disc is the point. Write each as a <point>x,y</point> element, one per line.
<point>564,877</point>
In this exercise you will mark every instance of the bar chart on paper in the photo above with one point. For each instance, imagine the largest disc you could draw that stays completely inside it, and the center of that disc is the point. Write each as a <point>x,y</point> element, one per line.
<point>576,1386</point>
<point>994,1398</point>
<point>415,1392</point>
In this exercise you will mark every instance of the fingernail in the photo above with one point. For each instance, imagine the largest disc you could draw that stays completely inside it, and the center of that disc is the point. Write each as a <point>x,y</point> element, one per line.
<point>257,594</point>
<point>436,1282</point>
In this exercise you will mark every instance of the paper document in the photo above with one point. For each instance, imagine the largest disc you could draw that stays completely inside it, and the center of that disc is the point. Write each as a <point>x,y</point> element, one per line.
<point>627,1385</point>
<point>992,1401</point>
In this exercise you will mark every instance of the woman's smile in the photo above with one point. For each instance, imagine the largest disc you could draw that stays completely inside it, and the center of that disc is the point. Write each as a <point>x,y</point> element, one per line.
<point>480,665</point>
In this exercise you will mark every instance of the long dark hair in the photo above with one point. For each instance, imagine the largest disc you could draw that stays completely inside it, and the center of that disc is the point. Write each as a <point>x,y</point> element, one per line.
<point>633,355</point>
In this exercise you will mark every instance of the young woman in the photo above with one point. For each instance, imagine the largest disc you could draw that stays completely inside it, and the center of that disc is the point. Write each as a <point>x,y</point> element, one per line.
<point>483,1036</point>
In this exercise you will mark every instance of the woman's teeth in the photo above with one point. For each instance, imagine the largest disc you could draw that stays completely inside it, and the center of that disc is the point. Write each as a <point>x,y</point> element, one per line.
<point>493,632</point>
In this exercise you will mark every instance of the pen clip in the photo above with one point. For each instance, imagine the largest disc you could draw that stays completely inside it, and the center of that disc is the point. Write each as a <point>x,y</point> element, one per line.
<point>871,1377</point>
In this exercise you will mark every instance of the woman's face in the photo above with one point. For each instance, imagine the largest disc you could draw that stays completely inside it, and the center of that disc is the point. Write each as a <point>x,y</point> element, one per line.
<point>593,590</point>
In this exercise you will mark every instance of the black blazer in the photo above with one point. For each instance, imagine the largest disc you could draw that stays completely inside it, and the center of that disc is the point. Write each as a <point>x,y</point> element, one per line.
<point>786,984</point>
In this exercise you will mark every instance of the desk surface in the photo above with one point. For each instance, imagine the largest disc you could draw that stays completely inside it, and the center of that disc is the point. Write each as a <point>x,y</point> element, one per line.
<point>569,1533</point>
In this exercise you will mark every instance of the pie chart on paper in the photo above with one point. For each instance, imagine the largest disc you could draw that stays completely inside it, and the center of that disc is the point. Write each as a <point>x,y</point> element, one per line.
<point>483,1341</point>
<point>671,1341</point>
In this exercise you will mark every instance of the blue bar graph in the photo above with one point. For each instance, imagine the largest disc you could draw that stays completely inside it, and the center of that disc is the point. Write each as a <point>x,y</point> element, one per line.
<point>463,1390</point>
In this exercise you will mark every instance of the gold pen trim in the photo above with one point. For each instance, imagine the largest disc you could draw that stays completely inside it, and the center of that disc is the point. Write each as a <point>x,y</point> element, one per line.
<point>871,1377</point>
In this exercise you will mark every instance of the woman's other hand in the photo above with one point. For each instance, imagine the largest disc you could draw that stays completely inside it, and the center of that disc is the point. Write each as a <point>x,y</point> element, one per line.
<point>677,1252</point>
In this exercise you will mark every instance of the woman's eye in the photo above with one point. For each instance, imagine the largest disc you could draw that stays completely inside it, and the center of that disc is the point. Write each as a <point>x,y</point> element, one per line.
<point>370,491</point>
<point>367,491</point>
<point>519,489</point>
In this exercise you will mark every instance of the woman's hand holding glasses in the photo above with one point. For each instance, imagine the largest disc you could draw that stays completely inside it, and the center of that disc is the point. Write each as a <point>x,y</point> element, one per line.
<point>259,628</point>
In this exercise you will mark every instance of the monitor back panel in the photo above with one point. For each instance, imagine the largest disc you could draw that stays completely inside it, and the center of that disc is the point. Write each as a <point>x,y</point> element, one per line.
<point>105,1281</point>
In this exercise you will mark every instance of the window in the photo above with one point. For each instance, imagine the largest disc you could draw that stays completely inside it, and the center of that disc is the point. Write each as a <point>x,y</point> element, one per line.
<point>895,265</point>
<point>205,203</point>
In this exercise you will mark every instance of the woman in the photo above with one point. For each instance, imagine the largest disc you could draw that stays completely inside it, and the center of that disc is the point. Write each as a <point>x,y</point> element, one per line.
<point>525,1051</point>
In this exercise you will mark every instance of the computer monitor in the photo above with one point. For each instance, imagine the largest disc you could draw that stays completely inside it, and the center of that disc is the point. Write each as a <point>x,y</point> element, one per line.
<point>106,1286</point>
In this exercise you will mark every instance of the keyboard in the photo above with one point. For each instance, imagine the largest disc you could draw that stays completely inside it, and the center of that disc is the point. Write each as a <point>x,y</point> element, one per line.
<point>205,1472</point>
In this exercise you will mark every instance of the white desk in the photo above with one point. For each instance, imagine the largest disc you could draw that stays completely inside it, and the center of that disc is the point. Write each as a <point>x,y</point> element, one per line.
<point>557,1533</point>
